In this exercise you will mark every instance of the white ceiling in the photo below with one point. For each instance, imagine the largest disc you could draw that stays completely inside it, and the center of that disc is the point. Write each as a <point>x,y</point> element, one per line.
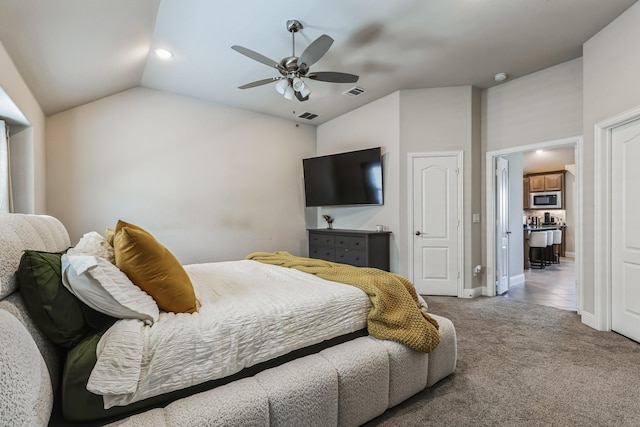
<point>71,52</point>
<point>554,159</point>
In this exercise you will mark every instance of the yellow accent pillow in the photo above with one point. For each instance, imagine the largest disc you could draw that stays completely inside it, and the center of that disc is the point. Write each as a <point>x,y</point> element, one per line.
<point>109,235</point>
<point>153,268</point>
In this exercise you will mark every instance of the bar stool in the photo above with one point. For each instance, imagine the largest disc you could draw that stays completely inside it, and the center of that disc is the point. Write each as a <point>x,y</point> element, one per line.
<point>549,251</point>
<point>557,241</point>
<point>537,242</point>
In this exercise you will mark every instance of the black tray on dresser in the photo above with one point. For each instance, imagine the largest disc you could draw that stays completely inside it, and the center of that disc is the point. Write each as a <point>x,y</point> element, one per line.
<point>361,248</point>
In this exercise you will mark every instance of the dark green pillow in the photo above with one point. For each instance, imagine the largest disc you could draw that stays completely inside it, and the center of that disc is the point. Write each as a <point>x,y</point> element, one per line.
<point>54,310</point>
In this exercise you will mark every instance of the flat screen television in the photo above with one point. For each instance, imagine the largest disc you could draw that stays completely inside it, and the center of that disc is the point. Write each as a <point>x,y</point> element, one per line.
<point>344,179</point>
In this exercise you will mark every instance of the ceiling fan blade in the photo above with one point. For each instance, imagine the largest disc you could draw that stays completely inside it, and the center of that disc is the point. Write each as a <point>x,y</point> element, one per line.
<point>316,50</point>
<point>257,56</point>
<point>259,83</point>
<point>333,77</point>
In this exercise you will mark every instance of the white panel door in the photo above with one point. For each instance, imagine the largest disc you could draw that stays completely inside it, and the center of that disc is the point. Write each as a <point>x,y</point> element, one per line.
<point>625,233</point>
<point>435,225</point>
<point>502,225</point>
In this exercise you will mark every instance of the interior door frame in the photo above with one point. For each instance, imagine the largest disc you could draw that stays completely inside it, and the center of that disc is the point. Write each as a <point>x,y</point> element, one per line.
<point>490,209</point>
<point>460,165</point>
<point>601,318</point>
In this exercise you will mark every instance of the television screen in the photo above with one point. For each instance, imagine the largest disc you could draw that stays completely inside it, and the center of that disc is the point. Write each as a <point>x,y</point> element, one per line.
<point>352,178</point>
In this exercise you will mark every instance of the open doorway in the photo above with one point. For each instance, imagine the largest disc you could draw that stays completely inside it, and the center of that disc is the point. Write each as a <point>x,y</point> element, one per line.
<point>524,161</point>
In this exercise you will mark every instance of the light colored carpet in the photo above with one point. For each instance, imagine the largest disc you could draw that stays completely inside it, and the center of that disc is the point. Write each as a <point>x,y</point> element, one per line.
<point>522,364</point>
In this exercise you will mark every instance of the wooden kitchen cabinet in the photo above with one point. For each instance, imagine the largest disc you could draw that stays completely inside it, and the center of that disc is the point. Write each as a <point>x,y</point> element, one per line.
<point>525,192</point>
<point>553,182</point>
<point>549,181</point>
<point>536,183</point>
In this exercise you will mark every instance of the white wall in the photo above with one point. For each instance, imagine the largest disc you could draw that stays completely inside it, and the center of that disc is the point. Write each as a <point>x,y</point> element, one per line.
<point>611,70</point>
<point>442,119</point>
<point>539,107</point>
<point>373,125</point>
<point>423,120</point>
<point>27,145</point>
<point>209,182</point>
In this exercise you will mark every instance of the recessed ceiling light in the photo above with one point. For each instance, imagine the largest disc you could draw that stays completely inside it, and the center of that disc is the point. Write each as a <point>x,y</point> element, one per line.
<point>500,77</point>
<point>538,151</point>
<point>163,53</point>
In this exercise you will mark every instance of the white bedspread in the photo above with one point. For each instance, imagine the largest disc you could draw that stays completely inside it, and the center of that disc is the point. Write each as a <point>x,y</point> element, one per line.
<point>251,312</point>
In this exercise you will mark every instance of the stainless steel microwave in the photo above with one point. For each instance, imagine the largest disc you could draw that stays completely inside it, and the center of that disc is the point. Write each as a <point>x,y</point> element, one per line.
<point>546,200</point>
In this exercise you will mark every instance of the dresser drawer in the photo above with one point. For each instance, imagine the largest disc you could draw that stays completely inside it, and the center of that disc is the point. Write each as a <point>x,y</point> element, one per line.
<point>357,258</point>
<point>358,243</point>
<point>342,241</point>
<point>322,252</point>
<point>321,239</point>
<point>351,242</point>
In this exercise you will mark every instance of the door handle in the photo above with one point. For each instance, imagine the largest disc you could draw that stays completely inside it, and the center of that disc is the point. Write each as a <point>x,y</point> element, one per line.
<point>418,233</point>
<point>508,232</point>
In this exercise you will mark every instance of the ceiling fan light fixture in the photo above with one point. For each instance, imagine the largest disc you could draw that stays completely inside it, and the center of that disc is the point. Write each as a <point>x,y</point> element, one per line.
<point>289,93</point>
<point>304,91</point>
<point>293,68</point>
<point>298,84</point>
<point>282,86</point>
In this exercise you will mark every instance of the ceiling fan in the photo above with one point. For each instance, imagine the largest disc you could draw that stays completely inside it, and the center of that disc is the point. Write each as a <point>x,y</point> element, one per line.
<point>293,68</point>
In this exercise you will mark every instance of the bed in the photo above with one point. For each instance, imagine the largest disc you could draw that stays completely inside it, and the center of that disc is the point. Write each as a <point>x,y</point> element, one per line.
<point>288,372</point>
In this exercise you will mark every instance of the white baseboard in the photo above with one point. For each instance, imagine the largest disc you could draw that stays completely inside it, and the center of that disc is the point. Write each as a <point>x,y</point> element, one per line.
<point>516,280</point>
<point>590,320</point>
<point>570,254</point>
<point>472,292</point>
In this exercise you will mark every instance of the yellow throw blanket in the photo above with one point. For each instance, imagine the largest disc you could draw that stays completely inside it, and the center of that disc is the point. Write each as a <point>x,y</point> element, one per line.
<point>395,315</point>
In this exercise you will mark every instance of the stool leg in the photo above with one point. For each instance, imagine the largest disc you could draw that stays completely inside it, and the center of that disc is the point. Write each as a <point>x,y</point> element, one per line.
<point>540,259</point>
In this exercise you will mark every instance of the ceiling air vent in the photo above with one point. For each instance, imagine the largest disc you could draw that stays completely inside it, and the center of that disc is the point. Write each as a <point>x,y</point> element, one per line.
<point>355,91</point>
<point>308,116</point>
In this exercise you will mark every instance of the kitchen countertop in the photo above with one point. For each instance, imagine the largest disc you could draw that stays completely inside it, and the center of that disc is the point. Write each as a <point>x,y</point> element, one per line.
<point>544,227</point>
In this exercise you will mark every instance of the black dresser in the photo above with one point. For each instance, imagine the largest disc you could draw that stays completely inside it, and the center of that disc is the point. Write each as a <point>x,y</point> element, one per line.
<point>356,247</point>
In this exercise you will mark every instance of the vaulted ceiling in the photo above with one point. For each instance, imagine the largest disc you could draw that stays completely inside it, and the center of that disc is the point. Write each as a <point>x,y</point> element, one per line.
<point>70,52</point>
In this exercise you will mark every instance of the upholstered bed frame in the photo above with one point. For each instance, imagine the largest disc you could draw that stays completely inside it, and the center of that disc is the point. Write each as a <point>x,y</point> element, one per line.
<point>347,384</point>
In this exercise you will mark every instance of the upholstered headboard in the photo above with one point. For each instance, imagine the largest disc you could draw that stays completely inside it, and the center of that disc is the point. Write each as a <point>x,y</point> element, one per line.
<point>19,232</point>
<point>29,362</point>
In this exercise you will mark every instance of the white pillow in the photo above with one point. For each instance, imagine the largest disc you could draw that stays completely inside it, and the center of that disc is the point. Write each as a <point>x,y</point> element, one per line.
<point>93,243</point>
<point>103,287</point>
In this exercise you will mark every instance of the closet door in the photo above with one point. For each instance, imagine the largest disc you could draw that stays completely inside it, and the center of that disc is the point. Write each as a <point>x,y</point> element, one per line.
<point>625,233</point>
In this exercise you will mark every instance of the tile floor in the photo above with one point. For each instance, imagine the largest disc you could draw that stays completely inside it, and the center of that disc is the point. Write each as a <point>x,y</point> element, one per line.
<point>554,286</point>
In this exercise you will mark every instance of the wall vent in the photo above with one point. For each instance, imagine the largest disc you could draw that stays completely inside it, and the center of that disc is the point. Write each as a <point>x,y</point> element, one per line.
<point>308,116</point>
<point>355,91</point>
